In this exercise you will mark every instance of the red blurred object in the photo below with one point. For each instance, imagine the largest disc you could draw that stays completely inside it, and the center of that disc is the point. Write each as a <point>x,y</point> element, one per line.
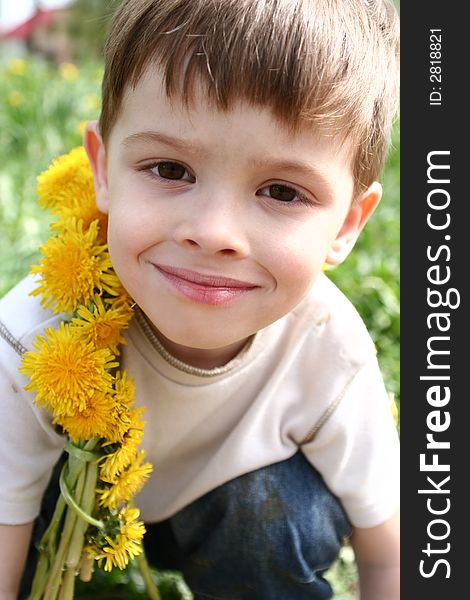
<point>23,31</point>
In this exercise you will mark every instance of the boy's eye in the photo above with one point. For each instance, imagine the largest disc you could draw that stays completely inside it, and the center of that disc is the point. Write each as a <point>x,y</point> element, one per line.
<point>172,170</point>
<point>283,193</point>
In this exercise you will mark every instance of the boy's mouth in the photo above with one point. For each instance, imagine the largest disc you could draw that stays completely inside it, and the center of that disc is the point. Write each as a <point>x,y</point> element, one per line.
<point>202,288</point>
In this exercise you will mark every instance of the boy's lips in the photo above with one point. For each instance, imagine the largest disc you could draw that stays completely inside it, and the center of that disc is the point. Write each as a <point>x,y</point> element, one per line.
<point>202,288</point>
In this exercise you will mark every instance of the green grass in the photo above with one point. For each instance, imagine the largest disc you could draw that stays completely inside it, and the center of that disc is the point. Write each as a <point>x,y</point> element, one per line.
<point>40,117</point>
<point>370,277</point>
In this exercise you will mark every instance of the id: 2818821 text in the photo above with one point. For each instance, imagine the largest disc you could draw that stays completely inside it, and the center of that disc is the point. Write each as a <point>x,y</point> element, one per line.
<point>435,67</point>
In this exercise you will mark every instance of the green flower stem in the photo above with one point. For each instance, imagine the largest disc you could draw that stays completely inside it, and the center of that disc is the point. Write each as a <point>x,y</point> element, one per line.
<point>48,543</point>
<point>150,587</point>
<point>74,467</point>
<point>49,538</point>
<point>75,547</point>
<point>81,453</point>
<point>40,577</point>
<point>67,586</point>
<point>76,507</point>
<point>86,568</point>
<point>54,580</point>
<point>87,504</point>
<point>47,551</point>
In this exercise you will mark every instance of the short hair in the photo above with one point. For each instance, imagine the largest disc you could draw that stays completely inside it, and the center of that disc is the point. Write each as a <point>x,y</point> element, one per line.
<point>329,63</point>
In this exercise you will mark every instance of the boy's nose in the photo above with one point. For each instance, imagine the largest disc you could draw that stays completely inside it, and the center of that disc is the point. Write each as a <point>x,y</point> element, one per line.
<point>213,228</point>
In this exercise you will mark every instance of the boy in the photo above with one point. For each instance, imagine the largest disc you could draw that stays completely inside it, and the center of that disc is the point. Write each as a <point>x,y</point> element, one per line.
<point>237,151</point>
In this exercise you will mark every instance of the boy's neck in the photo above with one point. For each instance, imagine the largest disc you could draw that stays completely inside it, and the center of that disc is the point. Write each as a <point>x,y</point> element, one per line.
<point>204,358</point>
<point>200,358</point>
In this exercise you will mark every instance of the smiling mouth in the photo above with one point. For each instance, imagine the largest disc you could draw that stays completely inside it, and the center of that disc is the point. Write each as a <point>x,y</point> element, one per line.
<point>205,289</point>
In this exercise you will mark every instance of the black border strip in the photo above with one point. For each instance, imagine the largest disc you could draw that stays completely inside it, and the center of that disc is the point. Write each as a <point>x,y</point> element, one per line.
<point>434,130</point>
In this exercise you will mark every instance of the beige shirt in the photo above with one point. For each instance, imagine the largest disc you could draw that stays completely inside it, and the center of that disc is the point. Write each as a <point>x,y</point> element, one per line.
<point>310,381</point>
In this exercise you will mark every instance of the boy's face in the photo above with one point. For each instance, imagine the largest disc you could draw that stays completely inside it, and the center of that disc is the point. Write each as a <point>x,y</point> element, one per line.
<point>219,222</point>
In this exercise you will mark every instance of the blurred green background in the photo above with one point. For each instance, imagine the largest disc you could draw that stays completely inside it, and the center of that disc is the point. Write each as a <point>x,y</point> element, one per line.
<point>46,97</point>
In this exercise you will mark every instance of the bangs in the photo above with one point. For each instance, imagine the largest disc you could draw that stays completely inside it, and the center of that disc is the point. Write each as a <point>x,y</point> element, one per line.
<point>250,51</point>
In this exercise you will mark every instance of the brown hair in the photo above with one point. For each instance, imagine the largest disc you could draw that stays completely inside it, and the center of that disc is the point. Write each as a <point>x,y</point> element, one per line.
<point>331,63</point>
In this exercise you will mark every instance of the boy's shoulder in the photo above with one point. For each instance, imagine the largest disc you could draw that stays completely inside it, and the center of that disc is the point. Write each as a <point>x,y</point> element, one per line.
<point>334,324</point>
<point>22,316</point>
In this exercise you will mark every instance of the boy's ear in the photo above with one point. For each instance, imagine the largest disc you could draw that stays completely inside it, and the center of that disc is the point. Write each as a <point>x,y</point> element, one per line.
<point>96,152</point>
<point>353,224</point>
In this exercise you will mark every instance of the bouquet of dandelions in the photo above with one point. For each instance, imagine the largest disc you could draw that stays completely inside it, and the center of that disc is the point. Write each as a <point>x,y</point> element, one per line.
<point>74,372</point>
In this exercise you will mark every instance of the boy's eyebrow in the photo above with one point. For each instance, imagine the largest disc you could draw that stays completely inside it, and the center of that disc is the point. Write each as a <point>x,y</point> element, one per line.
<point>162,138</point>
<point>299,167</point>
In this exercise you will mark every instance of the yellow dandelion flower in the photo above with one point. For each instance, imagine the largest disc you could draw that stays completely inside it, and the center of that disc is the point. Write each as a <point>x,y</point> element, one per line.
<point>15,98</point>
<point>90,550</point>
<point>118,553</point>
<point>115,463</point>
<point>128,420</point>
<point>81,127</point>
<point>126,485</point>
<point>95,420</point>
<point>131,527</point>
<point>110,282</point>
<point>68,71</point>
<point>68,175</point>
<point>65,372</point>
<point>73,267</point>
<point>120,297</point>
<point>125,389</point>
<point>126,423</point>
<point>126,545</point>
<point>122,422</point>
<point>17,66</point>
<point>92,103</point>
<point>103,325</point>
<point>86,212</point>
<point>67,189</point>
